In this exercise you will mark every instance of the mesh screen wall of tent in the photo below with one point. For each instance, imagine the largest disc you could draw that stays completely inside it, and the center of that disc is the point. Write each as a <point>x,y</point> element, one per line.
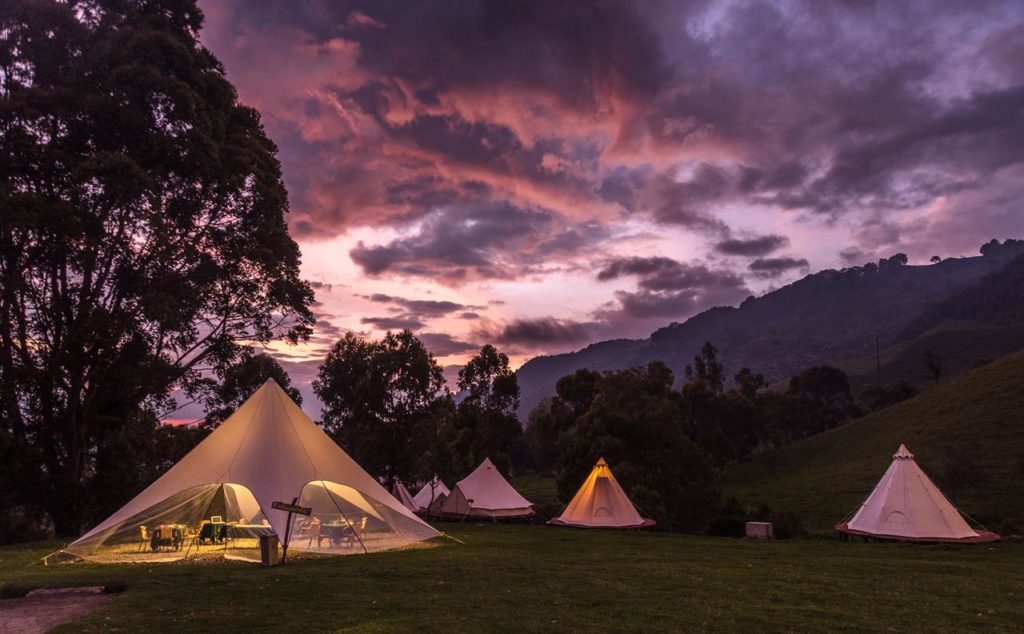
<point>224,520</point>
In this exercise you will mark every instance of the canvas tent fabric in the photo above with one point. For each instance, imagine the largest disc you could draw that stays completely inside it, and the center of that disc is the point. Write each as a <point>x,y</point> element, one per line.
<point>402,495</point>
<point>485,493</point>
<point>430,493</point>
<point>906,505</point>
<point>267,451</point>
<point>601,503</point>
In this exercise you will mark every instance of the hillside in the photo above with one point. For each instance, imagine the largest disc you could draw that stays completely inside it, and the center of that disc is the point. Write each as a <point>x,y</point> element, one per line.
<point>824,318</point>
<point>967,434</point>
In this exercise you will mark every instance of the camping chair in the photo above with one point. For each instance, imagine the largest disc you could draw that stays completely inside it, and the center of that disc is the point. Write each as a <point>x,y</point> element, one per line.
<point>312,531</point>
<point>144,538</point>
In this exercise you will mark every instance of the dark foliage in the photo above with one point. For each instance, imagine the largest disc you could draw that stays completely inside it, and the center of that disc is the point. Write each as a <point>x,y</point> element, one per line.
<point>142,234</point>
<point>634,422</point>
<point>381,404</point>
<point>239,383</point>
<point>875,397</point>
<point>486,425</point>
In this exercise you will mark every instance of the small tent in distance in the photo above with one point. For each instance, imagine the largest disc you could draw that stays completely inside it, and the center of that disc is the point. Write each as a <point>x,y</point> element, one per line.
<point>601,503</point>
<point>484,493</point>
<point>906,505</point>
<point>402,495</point>
<point>219,497</point>
<point>432,492</point>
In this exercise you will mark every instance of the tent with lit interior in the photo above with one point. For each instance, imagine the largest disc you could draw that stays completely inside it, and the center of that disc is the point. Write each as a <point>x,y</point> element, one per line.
<point>484,493</point>
<point>432,492</point>
<point>907,506</point>
<point>402,495</point>
<point>218,498</point>
<point>601,503</point>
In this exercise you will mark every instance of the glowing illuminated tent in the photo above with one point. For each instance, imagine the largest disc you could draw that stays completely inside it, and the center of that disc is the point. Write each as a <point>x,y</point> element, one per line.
<point>601,503</point>
<point>484,493</point>
<point>218,498</point>
<point>402,495</point>
<point>906,505</point>
<point>431,492</point>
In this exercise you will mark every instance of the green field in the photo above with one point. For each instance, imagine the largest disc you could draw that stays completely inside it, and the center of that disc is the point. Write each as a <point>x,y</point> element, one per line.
<point>517,578</point>
<point>967,434</point>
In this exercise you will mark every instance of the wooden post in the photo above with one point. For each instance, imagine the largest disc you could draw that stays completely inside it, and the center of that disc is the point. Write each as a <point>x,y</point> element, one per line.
<point>287,534</point>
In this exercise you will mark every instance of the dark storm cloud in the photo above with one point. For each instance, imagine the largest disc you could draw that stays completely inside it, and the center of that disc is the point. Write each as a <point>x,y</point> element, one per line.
<point>442,344</point>
<point>393,323</point>
<point>667,288</point>
<point>456,245</point>
<point>571,50</point>
<point>531,333</point>
<point>685,203</point>
<point>666,274</point>
<point>761,245</point>
<point>423,307</point>
<point>501,140</point>
<point>774,267</point>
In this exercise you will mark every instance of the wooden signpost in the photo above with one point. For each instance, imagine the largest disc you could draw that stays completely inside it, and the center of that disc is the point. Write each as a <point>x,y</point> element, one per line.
<point>292,509</point>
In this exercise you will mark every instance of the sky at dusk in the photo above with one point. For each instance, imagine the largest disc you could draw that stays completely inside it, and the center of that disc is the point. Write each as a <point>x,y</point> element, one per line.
<point>543,175</point>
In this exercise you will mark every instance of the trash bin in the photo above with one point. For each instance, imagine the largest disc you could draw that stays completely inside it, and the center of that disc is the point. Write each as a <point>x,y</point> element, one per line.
<point>269,555</point>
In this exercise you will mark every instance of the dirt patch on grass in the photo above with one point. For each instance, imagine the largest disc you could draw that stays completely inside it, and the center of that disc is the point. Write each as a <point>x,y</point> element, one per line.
<point>44,609</point>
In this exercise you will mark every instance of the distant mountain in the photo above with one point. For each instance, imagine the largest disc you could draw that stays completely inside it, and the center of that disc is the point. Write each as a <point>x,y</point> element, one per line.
<point>824,318</point>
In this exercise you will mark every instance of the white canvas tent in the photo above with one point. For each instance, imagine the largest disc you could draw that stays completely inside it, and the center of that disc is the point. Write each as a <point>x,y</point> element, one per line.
<point>433,491</point>
<point>906,505</point>
<point>601,503</point>
<point>402,495</point>
<point>220,495</point>
<point>484,493</point>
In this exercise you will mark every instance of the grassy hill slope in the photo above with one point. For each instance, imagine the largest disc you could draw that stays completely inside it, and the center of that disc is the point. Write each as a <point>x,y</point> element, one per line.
<point>958,347</point>
<point>967,434</point>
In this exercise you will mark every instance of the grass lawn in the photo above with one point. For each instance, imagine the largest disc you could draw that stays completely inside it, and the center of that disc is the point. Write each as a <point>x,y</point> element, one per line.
<point>535,578</point>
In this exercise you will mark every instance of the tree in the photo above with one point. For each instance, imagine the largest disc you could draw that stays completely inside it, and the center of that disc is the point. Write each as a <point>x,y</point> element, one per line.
<point>933,366</point>
<point>635,423</point>
<point>749,383</point>
<point>935,259</point>
<point>820,399</point>
<point>486,421</point>
<point>377,396</point>
<point>707,369</point>
<point>875,397</point>
<point>142,230</point>
<point>241,381</point>
<point>574,394</point>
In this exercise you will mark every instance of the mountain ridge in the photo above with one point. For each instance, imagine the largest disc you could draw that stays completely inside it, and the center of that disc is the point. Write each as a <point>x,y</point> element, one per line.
<point>823,318</point>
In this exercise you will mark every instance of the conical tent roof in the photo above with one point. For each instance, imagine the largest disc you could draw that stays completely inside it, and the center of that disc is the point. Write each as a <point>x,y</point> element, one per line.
<point>425,497</point>
<point>268,450</point>
<point>485,493</point>
<point>907,505</point>
<point>402,495</point>
<point>601,503</point>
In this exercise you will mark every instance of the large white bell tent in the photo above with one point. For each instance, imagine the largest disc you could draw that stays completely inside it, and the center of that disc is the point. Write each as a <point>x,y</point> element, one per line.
<point>484,493</point>
<point>433,491</point>
<point>601,503</point>
<point>906,505</point>
<point>218,499</point>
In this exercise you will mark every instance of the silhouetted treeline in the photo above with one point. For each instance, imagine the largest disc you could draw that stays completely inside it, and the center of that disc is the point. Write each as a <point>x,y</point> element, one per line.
<point>667,445</point>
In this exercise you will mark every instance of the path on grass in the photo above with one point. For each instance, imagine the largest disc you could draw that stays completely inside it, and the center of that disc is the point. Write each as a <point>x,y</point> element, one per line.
<point>43,610</point>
